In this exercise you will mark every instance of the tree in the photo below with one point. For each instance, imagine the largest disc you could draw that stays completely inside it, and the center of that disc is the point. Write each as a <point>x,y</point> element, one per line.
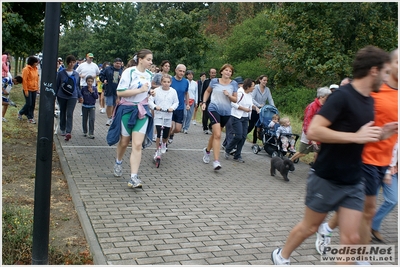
<point>23,27</point>
<point>316,42</point>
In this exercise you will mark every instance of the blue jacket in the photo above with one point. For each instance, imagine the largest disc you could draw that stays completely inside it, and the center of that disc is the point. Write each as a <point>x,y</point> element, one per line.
<point>89,99</point>
<point>110,88</point>
<point>61,77</point>
<point>114,131</point>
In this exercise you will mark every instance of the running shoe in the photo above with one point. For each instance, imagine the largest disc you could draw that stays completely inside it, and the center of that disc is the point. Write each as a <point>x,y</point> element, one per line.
<point>194,122</point>
<point>118,170</point>
<point>240,160</point>
<point>32,121</point>
<point>277,258</point>
<point>135,182</point>
<point>67,137</point>
<point>4,119</point>
<point>216,165</point>
<point>206,156</point>
<point>164,148</point>
<point>226,155</point>
<point>323,240</point>
<point>90,136</point>
<point>109,122</point>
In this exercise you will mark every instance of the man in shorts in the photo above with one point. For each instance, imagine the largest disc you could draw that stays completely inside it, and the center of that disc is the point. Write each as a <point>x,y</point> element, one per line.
<point>181,85</point>
<point>343,125</point>
<point>376,158</point>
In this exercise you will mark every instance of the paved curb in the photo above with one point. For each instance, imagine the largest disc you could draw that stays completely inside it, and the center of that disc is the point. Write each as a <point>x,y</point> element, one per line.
<point>91,238</point>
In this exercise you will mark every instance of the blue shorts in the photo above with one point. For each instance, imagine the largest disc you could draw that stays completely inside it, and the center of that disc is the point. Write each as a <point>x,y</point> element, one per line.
<point>177,116</point>
<point>110,100</point>
<point>373,176</point>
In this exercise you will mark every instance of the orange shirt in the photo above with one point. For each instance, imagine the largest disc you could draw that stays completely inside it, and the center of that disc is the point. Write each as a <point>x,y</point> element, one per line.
<point>30,78</point>
<point>386,110</point>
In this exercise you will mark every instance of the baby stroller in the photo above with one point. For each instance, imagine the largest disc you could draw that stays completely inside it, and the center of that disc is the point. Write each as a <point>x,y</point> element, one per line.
<point>271,143</point>
<point>7,86</point>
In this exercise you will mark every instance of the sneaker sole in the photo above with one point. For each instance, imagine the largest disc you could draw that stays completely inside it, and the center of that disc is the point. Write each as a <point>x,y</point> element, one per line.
<point>217,168</point>
<point>132,186</point>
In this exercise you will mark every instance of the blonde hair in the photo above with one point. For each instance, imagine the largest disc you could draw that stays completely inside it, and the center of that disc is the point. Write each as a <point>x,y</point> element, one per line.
<point>284,120</point>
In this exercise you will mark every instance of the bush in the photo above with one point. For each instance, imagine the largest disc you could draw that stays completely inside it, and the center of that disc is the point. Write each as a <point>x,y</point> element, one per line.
<point>293,100</point>
<point>17,234</point>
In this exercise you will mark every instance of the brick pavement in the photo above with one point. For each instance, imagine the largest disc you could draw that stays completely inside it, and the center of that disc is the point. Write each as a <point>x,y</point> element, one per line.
<point>186,212</point>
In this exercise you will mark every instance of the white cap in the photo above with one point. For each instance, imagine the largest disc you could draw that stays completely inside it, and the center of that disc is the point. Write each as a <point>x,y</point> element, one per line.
<point>334,86</point>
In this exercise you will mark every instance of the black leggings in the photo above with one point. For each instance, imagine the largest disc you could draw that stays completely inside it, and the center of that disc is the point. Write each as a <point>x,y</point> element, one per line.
<point>165,131</point>
<point>252,124</point>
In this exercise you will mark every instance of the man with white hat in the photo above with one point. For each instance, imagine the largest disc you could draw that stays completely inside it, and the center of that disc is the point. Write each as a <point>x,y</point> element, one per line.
<point>333,87</point>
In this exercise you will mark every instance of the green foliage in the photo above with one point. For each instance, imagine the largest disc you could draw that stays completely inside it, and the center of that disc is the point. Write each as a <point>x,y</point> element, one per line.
<point>22,27</point>
<point>17,231</point>
<point>293,100</point>
<point>315,42</point>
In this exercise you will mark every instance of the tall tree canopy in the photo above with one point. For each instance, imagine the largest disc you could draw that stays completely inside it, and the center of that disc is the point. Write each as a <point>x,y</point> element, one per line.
<point>316,42</point>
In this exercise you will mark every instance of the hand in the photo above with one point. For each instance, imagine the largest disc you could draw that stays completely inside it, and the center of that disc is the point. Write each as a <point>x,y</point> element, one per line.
<point>105,82</point>
<point>387,179</point>
<point>170,110</point>
<point>203,106</point>
<point>144,88</point>
<point>187,107</point>
<point>368,133</point>
<point>389,129</point>
<point>152,92</point>
<point>80,100</point>
<point>158,108</point>
<point>226,93</point>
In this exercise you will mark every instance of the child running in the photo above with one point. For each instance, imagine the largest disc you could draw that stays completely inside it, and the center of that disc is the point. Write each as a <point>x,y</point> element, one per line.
<point>165,99</point>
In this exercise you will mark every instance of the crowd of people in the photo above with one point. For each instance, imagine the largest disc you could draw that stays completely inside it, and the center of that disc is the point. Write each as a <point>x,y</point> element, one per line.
<point>351,128</point>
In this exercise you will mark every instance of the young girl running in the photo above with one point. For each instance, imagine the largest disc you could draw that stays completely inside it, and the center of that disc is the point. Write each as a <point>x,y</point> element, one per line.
<point>165,99</point>
<point>132,118</point>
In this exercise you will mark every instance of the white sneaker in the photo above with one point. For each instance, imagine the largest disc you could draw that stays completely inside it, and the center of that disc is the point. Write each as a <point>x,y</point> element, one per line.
<point>216,165</point>
<point>206,156</point>
<point>109,122</point>
<point>154,137</point>
<point>102,110</point>
<point>277,258</point>
<point>185,131</point>
<point>118,170</point>
<point>164,148</point>
<point>135,182</point>
<point>323,240</point>
<point>194,122</point>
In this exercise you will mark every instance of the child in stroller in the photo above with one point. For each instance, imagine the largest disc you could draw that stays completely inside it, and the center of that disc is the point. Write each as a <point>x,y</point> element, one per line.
<point>269,134</point>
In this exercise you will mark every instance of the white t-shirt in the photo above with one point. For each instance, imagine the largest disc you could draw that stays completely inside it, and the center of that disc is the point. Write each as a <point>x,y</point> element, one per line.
<point>87,69</point>
<point>132,79</point>
<point>243,100</point>
<point>165,99</point>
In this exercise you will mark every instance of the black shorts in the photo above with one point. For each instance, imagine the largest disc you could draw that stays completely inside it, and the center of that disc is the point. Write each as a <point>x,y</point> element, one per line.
<point>177,116</point>
<point>165,132</point>
<point>216,118</point>
<point>373,176</point>
<point>324,196</point>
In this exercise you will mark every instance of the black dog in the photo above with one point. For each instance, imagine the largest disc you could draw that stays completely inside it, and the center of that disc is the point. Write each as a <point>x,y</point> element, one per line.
<point>283,166</point>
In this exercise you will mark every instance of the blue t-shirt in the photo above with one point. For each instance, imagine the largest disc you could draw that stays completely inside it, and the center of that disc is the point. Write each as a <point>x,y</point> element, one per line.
<point>220,102</point>
<point>181,87</point>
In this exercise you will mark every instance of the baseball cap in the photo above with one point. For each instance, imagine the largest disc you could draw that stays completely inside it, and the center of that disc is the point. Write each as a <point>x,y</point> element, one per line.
<point>333,86</point>
<point>59,59</point>
<point>89,55</point>
<point>239,80</point>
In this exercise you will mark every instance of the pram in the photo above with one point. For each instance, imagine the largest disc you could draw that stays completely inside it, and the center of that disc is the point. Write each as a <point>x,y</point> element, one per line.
<point>6,92</point>
<point>271,143</point>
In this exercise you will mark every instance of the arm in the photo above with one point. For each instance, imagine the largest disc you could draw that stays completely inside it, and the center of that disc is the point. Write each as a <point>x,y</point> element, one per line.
<point>175,102</point>
<point>253,95</point>
<point>152,105</point>
<point>319,131</point>
<point>206,95</point>
<point>269,97</point>
<point>133,92</point>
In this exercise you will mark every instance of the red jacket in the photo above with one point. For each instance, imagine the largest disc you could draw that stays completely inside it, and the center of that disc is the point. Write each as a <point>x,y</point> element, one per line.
<point>309,113</point>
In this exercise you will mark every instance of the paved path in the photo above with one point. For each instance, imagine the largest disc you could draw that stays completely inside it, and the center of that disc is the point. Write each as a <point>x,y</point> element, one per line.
<point>187,212</point>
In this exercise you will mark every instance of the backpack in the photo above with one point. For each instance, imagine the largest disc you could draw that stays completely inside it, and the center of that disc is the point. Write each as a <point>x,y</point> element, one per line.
<point>68,86</point>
